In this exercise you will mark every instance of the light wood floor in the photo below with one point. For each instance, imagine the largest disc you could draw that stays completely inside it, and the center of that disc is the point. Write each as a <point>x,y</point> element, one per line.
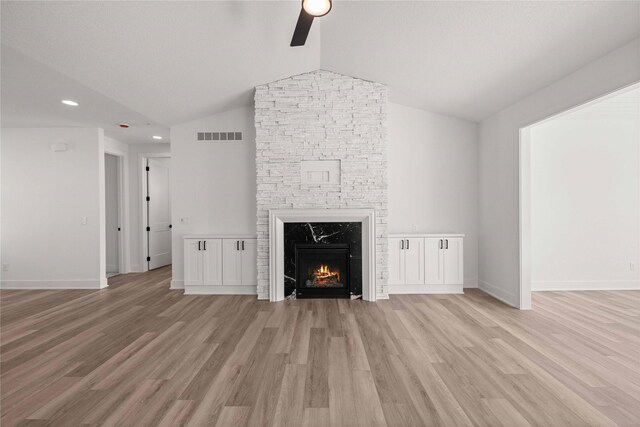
<point>140,354</point>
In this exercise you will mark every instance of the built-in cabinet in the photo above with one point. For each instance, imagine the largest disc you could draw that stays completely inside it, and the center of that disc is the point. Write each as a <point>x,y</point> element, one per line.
<point>220,264</point>
<point>426,263</point>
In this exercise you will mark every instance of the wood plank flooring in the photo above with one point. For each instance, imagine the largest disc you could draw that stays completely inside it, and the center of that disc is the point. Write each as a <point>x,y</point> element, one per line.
<point>141,354</point>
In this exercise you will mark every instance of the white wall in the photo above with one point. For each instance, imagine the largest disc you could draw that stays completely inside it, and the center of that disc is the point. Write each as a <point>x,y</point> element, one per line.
<point>212,184</point>
<point>112,213</point>
<point>585,187</point>
<point>498,260</point>
<point>433,169</point>
<point>45,196</point>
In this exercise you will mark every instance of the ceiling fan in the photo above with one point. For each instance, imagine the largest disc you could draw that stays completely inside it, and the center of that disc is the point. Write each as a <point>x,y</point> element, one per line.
<point>310,9</point>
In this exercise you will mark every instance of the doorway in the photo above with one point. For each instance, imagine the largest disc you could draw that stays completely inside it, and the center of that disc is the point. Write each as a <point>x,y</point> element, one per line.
<point>580,198</point>
<point>113,215</point>
<point>157,212</point>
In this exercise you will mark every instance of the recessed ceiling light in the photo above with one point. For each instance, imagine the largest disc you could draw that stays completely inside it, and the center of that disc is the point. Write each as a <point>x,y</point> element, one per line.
<point>157,137</point>
<point>70,102</point>
<point>124,125</point>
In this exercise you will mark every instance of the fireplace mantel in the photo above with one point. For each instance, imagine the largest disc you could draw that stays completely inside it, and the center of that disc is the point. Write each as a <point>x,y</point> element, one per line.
<point>277,219</point>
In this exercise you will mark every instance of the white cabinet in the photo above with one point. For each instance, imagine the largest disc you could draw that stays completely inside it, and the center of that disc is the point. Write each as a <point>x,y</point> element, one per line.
<point>406,261</point>
<point>203,262</point>
<point>443,261</point>
<point>453,265</point>
<point>426,263</point>
<point>220,264</point>
<point>239,257</point>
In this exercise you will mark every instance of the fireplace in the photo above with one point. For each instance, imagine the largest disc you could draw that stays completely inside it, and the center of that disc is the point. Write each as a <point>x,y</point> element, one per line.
<point>322,270</point>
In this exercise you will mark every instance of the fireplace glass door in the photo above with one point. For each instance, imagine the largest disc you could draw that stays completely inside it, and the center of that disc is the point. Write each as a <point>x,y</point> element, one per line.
<point>322,271</point>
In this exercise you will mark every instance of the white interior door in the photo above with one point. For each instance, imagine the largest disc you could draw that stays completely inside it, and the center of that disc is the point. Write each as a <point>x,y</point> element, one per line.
<point>112,210</point>
<point>158,213</point>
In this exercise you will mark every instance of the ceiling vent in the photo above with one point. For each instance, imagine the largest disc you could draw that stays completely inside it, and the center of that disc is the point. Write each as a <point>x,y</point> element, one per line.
<point>219,136</point>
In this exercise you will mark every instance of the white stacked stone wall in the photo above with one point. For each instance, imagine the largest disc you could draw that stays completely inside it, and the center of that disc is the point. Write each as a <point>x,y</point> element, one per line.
<point>321,116</point>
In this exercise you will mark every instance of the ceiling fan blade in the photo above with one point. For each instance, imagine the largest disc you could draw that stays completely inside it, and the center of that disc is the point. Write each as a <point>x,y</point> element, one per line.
<point>302,29</point>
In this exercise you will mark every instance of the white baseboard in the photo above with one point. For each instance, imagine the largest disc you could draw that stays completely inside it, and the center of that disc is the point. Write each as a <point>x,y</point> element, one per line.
<point>53,284</point>
<point>499,294</point>
<point>585,285</point>
<point>425,289</point>
<point>220,290</point>
<point>177,284</point>
<point>471,283</point>
<point>382,296</point>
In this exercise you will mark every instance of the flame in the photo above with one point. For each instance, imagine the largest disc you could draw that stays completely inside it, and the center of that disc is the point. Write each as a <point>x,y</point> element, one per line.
<point>324,271</point>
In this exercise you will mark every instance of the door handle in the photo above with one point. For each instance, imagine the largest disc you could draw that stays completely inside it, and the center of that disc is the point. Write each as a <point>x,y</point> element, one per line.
<point>237,245</point>
<point>402,246</point>
<point>199,245</point>
<point>440,243</point>
<point>407,244</point>
<point>205,245</point>
<point>446,244</point>
<point>243,245</point>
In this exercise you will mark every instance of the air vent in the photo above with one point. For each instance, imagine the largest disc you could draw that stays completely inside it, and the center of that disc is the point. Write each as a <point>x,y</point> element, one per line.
<point>219,136</point>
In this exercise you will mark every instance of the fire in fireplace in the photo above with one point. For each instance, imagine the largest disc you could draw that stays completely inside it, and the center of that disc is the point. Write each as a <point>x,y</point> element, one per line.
<point>322,271</point>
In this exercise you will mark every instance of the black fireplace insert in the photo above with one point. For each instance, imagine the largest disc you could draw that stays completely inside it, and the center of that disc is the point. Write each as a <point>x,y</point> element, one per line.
<point>322,270</point>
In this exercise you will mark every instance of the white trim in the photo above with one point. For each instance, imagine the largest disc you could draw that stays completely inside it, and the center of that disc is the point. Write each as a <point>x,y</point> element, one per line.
<point>124,238</point>
<point>277,219</point>
<point>177,284</point>
<point>586,285</point>
<point>425,289</point>
<point>221,290</point>
<point>54,284</point>
<point>524,219</point>
<point>499,294</point>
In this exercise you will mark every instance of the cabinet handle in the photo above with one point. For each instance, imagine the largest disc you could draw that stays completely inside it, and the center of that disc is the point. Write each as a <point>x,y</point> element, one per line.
<point>440,243</point>
<point>243,245</point>
<point>402,244</point>
<point>199,244</point>
<point>205,245</point>
<point>407,244</point>
<point>446,244</point>
<point>237,245</point>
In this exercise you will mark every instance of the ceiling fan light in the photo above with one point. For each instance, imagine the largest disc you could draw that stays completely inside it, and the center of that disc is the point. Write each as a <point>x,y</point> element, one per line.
<point>316,8</point>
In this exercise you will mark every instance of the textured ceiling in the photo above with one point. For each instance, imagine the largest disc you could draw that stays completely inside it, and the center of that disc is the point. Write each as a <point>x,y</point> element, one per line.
<point>161,63</point>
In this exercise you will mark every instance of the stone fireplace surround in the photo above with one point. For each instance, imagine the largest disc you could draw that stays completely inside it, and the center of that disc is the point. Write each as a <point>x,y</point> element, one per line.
<point>277,219</point>
<point>321,157</point>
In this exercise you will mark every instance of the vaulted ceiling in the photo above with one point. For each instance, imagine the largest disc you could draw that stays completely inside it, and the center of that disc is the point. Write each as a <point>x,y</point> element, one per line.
<point>155,64</point>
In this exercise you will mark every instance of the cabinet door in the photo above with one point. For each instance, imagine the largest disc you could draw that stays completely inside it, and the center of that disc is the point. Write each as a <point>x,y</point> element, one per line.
<point>231,262</point>
<point>212,262</point>
<point>249,250</point>
<point>453,263</point>
<point>396,261</point>
<point>414,261</point>
<point>434,260</point>
<point>192,263</point>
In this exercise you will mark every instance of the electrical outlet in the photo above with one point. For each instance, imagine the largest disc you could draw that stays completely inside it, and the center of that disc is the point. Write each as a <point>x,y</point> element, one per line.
<point>5,267</point>
<point>83,220</point>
